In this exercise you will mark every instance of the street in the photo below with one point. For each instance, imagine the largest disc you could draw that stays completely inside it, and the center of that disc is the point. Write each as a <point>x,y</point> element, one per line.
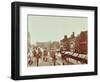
<point>58,60</point>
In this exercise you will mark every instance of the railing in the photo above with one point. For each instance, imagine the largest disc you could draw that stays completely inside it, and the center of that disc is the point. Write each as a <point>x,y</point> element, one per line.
<point>75,59</point>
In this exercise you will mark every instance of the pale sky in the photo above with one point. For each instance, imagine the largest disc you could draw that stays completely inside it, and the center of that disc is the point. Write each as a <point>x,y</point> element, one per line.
<point>53,28</point>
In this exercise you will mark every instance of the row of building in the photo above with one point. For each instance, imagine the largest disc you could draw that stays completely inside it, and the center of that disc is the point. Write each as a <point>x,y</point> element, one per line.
<point>76,44</point>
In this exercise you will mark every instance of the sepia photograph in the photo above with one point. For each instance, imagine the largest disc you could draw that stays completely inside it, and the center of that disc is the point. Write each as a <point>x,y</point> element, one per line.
<point>56,40</point>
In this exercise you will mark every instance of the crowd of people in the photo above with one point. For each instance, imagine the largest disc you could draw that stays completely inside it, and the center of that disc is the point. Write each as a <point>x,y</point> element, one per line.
<point>43,54</point>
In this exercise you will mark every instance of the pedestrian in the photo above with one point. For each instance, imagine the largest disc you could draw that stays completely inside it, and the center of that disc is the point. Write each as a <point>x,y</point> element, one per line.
<point>62,52</point>
<point>45,55</point>
<point>30,61</point>
<point>38,55</point>
<point>53,55</point>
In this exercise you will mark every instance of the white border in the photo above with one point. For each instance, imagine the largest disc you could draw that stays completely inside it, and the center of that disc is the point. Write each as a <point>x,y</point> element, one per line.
<point>24,70</point>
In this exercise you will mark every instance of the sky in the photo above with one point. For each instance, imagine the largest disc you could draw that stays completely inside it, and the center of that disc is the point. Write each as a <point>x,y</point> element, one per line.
<point>53,28</point>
